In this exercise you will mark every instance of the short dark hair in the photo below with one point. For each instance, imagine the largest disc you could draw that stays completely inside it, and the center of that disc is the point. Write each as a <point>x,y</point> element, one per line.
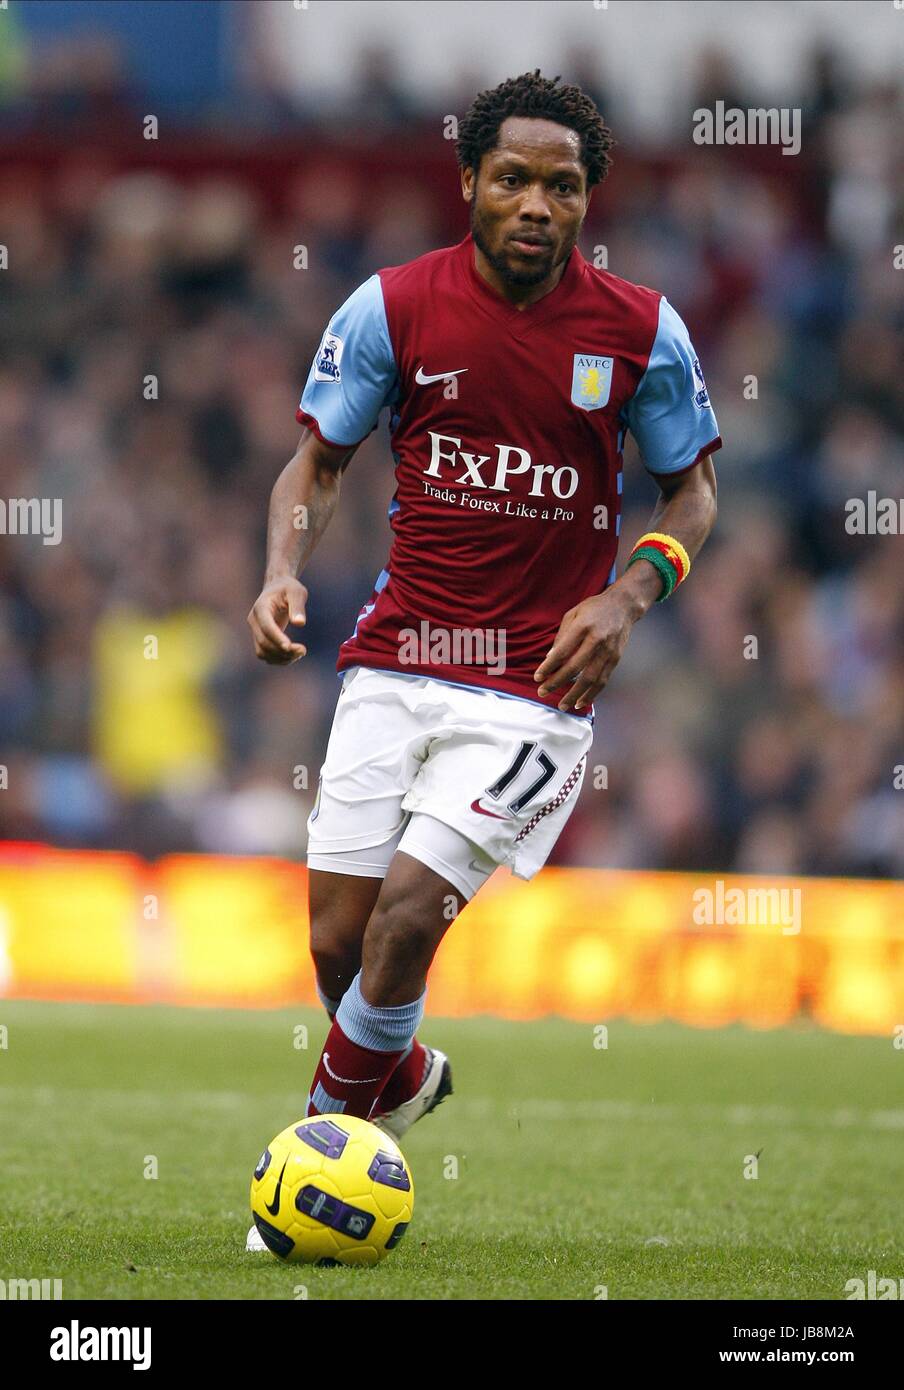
<point>540,97</point>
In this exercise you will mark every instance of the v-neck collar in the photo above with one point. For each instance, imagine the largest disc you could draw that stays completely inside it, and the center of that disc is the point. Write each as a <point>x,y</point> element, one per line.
<point>520,321</point>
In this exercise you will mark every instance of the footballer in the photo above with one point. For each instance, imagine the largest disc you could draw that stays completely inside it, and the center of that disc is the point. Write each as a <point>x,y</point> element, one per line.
<point>511,369</point>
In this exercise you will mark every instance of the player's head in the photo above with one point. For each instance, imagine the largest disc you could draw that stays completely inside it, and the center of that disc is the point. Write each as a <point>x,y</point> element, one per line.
<point>530,153</point>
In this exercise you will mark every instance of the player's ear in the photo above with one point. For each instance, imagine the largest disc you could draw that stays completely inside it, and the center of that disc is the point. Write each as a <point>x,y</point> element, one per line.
<point>468,180</point>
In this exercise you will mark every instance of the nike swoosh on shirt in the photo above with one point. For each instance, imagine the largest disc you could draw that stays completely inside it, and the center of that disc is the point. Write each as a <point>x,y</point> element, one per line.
<point>476,806</point>
<point>423,380</point>
<point>346,1080</point>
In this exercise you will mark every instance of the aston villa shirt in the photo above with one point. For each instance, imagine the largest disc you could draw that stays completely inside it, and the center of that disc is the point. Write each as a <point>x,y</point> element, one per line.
<point>506,426</point>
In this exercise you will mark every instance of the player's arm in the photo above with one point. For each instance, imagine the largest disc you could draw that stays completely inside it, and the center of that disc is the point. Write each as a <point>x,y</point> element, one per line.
<point>593,635</point>
<point>686,509</point>
<point>303,499</point>
<point>672,420</point>
<point>352,377</point>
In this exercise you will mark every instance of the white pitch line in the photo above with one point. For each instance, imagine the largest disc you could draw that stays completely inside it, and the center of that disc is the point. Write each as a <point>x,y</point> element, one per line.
<point>541,1110</point>
<point>657,1112</point>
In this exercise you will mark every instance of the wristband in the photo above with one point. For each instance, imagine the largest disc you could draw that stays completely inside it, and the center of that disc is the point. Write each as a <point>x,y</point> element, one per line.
<point>667,556</point>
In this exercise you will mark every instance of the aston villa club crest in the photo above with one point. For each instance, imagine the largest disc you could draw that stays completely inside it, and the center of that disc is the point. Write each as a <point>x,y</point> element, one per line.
<point>591,381</point>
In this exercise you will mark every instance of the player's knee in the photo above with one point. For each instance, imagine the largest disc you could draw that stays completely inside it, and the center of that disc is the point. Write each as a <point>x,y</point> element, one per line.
<point>335,961</point>
<point>399,931</point>
<point>335,928</point>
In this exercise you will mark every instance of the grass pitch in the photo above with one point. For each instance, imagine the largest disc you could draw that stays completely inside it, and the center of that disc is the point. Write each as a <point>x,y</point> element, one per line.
<point>578,1169</point>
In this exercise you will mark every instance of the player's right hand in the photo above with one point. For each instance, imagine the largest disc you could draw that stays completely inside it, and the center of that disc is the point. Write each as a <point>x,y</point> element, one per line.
<point>279,603</point>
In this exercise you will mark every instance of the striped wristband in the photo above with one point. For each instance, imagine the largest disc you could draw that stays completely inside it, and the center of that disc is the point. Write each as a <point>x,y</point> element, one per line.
<point>667,556</point>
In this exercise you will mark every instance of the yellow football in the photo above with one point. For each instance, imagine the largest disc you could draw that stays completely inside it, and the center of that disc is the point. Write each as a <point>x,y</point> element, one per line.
<point>332,1189</point>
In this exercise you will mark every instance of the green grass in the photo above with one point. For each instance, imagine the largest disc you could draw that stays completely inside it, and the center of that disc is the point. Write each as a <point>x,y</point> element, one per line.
<point>577,1167</point>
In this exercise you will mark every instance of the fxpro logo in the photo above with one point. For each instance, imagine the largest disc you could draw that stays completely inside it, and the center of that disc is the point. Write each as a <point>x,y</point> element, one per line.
<point>76,1343</point>
<point>508,461</point>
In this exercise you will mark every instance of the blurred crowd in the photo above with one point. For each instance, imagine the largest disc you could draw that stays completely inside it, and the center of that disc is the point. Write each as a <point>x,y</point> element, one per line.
<point>154,341</point>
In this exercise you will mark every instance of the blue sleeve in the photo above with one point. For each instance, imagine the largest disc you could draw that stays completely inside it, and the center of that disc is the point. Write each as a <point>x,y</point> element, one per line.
<point>354,373</point>
<point>669,414</point>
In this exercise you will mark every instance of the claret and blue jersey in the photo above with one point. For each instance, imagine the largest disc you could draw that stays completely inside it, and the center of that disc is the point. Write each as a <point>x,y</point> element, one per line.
<point>506,427</point>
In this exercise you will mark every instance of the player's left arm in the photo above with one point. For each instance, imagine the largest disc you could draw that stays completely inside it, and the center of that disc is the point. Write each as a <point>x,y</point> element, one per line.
<point>593,635</point>
<point>671,418</point>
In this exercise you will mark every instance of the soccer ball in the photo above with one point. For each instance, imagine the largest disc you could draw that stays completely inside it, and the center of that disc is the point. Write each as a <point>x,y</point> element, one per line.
<point>332,1189</point>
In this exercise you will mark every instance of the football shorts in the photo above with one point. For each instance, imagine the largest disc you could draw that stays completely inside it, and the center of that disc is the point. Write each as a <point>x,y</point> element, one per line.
<point>442,849</point>
<point>404,751</point>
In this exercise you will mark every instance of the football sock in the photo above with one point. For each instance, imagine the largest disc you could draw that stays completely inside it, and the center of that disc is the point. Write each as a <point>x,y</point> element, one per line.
<point>331,1005</point>
<point>363,1047</point>
<point>407,1078</point>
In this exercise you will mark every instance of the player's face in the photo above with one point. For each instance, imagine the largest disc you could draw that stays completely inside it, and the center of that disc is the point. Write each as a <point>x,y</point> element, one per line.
<point>529,200</point>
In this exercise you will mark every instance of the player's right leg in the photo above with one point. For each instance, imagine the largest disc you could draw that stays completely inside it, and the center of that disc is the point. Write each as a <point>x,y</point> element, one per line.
<point>355,824</point>
<point>353,830</point>
<point>340,905</point>
<point>342,894</point>
<point>377,744</point>
<point>373,1031</point>
<point>432,874</point>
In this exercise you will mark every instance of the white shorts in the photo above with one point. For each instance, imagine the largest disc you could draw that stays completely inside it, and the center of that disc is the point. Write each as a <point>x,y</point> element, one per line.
<point>411,759</point>
<point>448,853</point>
